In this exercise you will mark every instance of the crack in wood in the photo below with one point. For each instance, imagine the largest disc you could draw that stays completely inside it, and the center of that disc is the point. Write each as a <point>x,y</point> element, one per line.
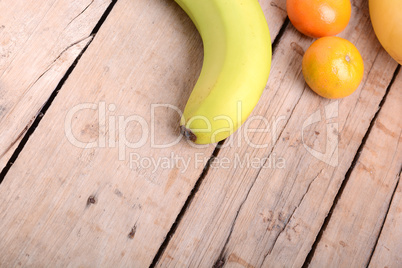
<point>29,37</point>
<point>187,203</point>
<point>291,215</point>
<point>26,128</point>
<point>273,4</point>
<point>53,62</point>
<point>21,134</point>
<point>219,263</point>
<point>349,172</point>
<point>90,37</point>
<point>358,98</point>
<point>279,35</point>
<point>385,218</point>
<point>47,104</point>
<point>221,255</point>
<point>79,14</point>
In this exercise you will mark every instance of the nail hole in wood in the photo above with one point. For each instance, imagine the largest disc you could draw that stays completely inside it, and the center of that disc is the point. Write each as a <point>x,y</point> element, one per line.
<point>91,200</point>
<point>132,232</point>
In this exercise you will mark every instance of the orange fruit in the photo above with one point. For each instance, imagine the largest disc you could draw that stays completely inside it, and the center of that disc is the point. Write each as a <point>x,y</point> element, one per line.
<point>333,67</point>
<point>318,18</point>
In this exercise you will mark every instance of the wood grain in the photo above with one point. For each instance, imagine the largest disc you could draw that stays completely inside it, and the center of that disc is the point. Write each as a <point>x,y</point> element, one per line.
<point>389,247</point>
<point>39,41</point>
<point>355,223</point>
<point>248,216</point>
<point>63,204</point>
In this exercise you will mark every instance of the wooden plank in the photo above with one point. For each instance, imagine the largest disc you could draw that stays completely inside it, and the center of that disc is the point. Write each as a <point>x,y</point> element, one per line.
<point>39,41</point>
<point>109,206</point>
<point>389,247</point>
<point>354,227</point>
<point>251,216</point>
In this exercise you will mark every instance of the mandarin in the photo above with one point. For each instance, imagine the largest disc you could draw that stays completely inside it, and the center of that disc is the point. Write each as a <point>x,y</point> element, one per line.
<point>332,67</point>
<point>318,18</point>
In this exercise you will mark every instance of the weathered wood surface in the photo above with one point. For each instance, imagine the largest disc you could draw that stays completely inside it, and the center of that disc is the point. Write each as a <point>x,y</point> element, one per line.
<point>39,41</point>
<point>251,216</point>
<point>64,204</point>
<point>350,236</point>
<point>389,247</point>
<point>108,205</point>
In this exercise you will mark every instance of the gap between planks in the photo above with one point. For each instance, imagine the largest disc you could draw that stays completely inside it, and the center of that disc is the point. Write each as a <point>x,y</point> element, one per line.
<point>30,128</point>
<point>133,228</point>
<point>220,261</point>
<point>385,218</point>
<point>186,204</point>
<point>204,174</point>
<point>348,173</point>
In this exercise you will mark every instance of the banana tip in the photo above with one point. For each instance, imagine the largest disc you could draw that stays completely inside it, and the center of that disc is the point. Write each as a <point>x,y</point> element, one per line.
<point>188,134</point>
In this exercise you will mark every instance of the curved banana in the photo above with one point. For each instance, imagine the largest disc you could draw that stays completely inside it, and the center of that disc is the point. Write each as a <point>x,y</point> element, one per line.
<point>237,61</point>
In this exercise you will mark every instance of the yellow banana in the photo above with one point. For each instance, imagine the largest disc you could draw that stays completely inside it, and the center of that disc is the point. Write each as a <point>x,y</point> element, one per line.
<point>237,61</point>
